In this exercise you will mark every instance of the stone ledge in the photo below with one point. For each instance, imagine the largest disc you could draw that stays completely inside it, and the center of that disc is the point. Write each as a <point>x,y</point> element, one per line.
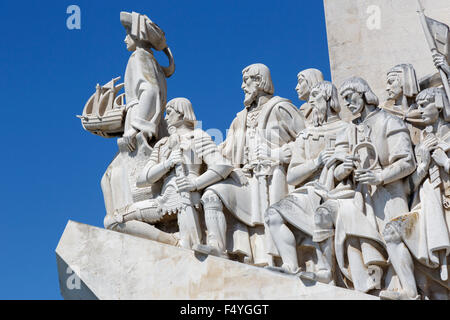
<point>116,266</point>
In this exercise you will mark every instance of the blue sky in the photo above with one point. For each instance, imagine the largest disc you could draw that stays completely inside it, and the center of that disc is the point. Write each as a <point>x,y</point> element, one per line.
<point>51,167</point>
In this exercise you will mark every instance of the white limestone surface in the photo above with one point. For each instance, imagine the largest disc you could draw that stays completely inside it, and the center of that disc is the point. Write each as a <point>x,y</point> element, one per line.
<point>112,265</point>
<point>368,37</point>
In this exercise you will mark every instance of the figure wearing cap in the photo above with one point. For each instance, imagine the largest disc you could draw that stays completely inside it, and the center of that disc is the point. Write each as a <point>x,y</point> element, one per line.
<point>145,79</point>
<point>402,89</point>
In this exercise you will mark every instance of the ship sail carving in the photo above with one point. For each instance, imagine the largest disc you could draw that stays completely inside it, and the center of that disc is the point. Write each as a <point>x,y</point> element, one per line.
<point>104,112</point>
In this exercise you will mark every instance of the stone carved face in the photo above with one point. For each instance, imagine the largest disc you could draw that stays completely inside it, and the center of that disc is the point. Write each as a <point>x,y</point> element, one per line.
<point>428,111</point>
<point>319,105</point>
<point>302,88</point>
<point>173,117</point>
<point>251,87</point>
<point>131,44</point>
<point>394,86</point>
<point>354,101</point>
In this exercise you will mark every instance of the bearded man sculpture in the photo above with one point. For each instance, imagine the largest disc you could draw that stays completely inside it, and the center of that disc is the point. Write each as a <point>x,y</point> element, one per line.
<point>379,157</point>
<point>258,145</point>
<point>312,168</point>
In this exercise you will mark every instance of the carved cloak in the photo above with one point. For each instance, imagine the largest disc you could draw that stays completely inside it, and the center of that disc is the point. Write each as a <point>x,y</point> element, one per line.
<point>143,74</point>
<point>390,136</point>
<point>425,230</point>
<point>299,207</point>
<point>279,122</point>
<point>376,204</point>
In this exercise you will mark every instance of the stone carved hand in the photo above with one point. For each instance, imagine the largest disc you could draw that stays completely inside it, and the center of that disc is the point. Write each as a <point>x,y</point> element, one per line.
<point>430,142</point>
<point>129,139</point>
<point>440,61</point>
<point>423,153</point>
<point>440,157</point>
<point>349,163</point>
<point>332,159</point>
<point>324,156</point>
<point>263,151</point>
<point>175,158</point>
<point>185,184</point>
<point>284,154</point>
<point>369,177</point>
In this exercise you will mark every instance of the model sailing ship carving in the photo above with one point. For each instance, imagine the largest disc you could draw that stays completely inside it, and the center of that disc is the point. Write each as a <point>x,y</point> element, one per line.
<point>104,113</point>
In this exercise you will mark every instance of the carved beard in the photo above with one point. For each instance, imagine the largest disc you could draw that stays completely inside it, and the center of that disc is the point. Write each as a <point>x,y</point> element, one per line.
<point>318,115</point>
<point>250,98</point>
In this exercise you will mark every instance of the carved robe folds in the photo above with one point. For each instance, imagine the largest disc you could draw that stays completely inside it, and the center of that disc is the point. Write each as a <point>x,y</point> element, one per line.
<point>145,91</point>
<point>299,207</point>
<point>378,203</point>
<point>276,125</point>
<point>425,230</point>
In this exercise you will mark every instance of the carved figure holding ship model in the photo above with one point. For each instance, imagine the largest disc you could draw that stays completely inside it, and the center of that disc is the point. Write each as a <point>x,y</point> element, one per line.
<point>134,116</point>
<point>145,79</point>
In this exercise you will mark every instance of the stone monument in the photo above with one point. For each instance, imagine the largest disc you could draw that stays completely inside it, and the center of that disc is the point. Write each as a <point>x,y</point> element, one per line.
<point>346,197</point>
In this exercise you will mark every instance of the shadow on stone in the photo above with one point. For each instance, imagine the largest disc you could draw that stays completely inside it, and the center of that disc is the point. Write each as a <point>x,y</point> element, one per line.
<point>70,284</point>
<point>200,256</point>
<point>308,282</point>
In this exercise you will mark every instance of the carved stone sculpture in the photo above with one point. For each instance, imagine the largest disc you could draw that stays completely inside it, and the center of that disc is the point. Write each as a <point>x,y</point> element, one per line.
<point>442,62</point>
<point>104,113</point>
<point>181,166</point>
<point>424,231</point>
<point>402,88</point>
<point>311,169</point>
<point>307,79</point>
<point>361,204</point>
<point>258,145</point>
<point>385,159</point>
<point>145,100</point>
<point>145,79</point>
